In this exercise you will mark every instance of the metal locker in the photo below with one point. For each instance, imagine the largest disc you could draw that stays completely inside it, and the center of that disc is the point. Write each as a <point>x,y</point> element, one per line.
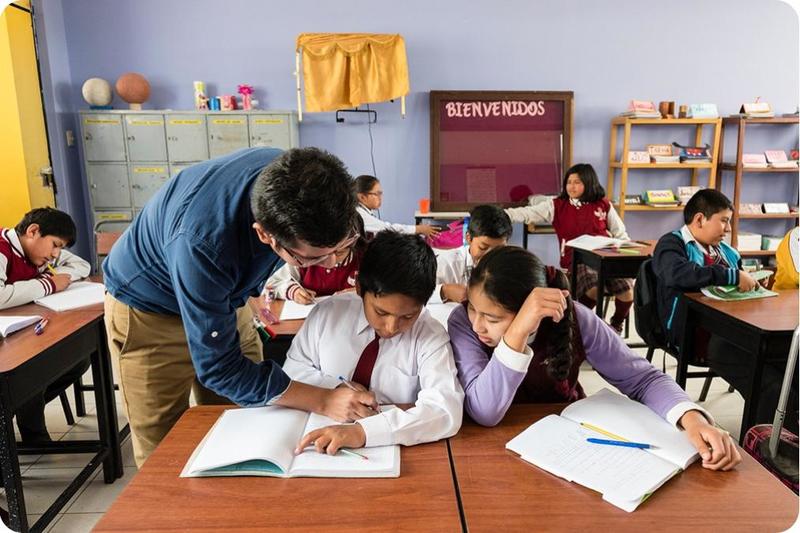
<point>270,130</point>
<point>145,137</point>
<point>174,168</point>
<point>187,139</point>
<point>146,180</point>
<point>226,134</point>
<point>108,185</point>
<point>112,220</point>
<point>102,137</point>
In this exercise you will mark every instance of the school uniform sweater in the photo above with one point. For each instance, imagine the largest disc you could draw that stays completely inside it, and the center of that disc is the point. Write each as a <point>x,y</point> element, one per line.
<point>571,219</point>
<point>21,281</point>
<point>494,378</point>
<point>681,264</point>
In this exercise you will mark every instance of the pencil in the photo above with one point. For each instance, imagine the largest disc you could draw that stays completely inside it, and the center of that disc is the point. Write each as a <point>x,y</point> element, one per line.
<point>604,432</point>
<point>351,453</point>
<point>52,270</point>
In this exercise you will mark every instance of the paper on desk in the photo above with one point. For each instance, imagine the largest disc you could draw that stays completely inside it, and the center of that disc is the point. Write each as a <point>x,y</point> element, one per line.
<point>595,242</point>
<point>293,310</point>
<point>78,294</point>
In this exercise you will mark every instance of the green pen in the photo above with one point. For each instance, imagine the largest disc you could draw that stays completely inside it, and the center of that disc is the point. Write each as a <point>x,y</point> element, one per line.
<point>628,251</point>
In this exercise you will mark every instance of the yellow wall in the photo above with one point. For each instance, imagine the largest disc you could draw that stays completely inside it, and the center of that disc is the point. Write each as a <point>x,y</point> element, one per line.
<point>22,131</point>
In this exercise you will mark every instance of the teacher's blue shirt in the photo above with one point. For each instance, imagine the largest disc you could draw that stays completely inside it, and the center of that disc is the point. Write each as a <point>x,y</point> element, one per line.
<point>193,252</point>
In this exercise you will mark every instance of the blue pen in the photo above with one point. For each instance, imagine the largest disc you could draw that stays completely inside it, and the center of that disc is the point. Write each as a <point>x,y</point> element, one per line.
<point>626,444</point>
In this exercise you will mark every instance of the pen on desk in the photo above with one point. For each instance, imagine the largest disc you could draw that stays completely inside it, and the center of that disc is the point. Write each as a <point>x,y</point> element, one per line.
<point>626,444</point>
<point>38,329</point>
<point>604,432</point>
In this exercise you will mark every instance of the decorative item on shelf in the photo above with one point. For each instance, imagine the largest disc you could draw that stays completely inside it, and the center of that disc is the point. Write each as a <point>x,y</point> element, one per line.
<point>633,199</point>
<point>247,94</point>
<point>778,159</point>
<point>794,154</point>
<point>682,110</point>
<point>97,93</point>
<point>776,208</point>
<point>750,209</point>
<point>641,109</point>
<point>685,192</point>
<point>770,242</point>
<point>702,111</point>
<point>227,102</point>
<point>754,161</point>
<point>660,198</point>
<point>133,88</point>
<point>667,109</point>
<point>200,98</point>
<point>638,157</point>
<point>213,103</point>
<point>756,110</point>
<point>694,154</point>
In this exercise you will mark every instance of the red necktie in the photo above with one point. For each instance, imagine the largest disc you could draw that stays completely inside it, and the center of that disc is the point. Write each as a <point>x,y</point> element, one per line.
<point>363,372</point>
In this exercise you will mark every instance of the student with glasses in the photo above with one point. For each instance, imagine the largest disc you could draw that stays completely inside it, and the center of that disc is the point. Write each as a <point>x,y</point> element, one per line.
<point>370,197</point>
<point>305,282</point>
<point>179,278</point>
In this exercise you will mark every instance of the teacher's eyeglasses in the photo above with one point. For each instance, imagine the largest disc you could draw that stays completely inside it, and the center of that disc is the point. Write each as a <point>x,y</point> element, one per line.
<point>303,261</point>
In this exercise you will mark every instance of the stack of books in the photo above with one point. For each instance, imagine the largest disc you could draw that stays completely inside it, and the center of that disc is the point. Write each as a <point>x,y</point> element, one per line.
<point>754,161</point>
<point>641,109</point>
<point>660,198</point>
<point>749,242</point>
<point>778,159</point>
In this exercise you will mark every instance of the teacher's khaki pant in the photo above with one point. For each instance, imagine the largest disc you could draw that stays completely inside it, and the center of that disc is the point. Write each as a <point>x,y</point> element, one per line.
<point>151,356</point>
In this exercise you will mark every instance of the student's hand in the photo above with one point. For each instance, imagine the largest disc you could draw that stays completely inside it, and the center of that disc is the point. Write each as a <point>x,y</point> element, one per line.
<point>428,230</point>
<point>453,292</point>
<point>746,282</point>
<point>345,405</point>
<point>329,439</point>
<point>716,447</point>
<point>303,296</point>
<point>61,281</point>
<point>541,303</point>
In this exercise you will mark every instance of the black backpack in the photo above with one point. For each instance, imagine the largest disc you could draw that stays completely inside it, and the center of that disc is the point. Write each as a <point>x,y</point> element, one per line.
<point>645,307</point>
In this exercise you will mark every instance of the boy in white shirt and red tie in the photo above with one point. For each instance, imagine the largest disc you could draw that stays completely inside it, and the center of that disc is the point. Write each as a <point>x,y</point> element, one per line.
<point>383,340</point>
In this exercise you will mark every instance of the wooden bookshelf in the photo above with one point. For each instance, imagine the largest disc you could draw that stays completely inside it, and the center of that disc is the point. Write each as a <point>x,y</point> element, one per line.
<point>768,170</point>
<point>648,208</point>
<point>768,215</point>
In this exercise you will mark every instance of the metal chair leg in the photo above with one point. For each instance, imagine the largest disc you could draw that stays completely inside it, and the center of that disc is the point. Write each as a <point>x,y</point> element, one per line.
<point>67,409</point>
<point>704,391</point>
<point>80,405</point>
<point>650,351</point>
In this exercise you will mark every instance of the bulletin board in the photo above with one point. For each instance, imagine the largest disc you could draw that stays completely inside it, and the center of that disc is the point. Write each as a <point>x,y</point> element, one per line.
<point>498,147</point>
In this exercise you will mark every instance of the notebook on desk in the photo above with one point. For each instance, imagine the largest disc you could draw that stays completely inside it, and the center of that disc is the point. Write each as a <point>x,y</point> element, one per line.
<point>595,242</point>
<point>78,294</point>
<point>624,476</point>
<point>260,441</point>
<point>10,324</point>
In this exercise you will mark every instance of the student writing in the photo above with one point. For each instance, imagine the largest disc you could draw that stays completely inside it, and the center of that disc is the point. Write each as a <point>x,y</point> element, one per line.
<point>383,340</point>
<point>583,209</point>
<point>521,339</point>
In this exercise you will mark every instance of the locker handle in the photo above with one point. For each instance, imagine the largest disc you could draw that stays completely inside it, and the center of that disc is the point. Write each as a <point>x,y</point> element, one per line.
<point>131,138</point>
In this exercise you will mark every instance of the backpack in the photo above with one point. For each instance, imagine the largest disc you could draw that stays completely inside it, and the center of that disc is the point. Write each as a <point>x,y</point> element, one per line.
<point>645,307</point>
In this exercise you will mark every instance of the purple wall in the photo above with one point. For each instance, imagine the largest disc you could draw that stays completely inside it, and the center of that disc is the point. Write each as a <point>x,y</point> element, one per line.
<point>595,49</point>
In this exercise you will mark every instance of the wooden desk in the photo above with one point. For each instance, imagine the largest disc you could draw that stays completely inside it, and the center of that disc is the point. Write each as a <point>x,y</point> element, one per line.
<point>761,327</point>
<point>501,492</point>
<point>156,499</point>
<point>608,263</point>
<point>28,364</point>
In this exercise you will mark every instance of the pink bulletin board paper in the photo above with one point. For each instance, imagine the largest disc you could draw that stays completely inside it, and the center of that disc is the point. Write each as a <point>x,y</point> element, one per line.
<point>482,185</point>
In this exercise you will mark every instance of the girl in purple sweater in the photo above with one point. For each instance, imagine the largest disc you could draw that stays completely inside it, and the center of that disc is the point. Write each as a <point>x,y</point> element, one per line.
<point>521,339</point>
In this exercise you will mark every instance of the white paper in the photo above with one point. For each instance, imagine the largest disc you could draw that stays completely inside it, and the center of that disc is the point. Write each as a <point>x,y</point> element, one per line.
<point>293,310</point>
<point>10,324</point>
<point>595,242</point>
<point>78,294</point>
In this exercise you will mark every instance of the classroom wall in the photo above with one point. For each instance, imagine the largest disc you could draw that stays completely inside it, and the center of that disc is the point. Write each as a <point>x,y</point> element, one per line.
<point>606,52</point>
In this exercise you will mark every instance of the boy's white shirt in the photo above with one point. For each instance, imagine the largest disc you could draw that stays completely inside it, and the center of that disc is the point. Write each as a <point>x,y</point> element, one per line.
<point>24,292</point>
<point>415,367</point>
<point>373,224</point>
<point>451,267</point>
<point>542,213</point>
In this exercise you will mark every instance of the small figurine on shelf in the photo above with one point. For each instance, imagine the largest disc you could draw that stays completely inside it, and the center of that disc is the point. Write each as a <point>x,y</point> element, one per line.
<point>200,98</point>
<point>227,102</point>
<point>246,91</point>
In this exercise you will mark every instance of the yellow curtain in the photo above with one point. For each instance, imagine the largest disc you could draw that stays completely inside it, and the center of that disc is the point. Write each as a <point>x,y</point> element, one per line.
<point>349,69</point>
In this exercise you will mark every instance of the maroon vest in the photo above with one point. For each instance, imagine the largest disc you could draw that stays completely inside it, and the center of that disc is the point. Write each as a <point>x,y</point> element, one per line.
<point>327,281</point>
<point>538,386</point>
<point>571,222</point>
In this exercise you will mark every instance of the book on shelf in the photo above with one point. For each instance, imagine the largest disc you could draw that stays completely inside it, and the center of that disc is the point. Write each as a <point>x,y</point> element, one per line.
<point>624,476</point>
<point>638,157</point>
<point>702,111</point>
<point>660,198</point>
<point>633,199</point>
<point>641,109</point>
<point>659,149</point>
<point>260,441</point>
<point>778,159</point>
<point>770,242</point>
<point>750,209</point>
<point>778,208</point>
<point>694,154</point>
<point>756,110</point>
<point>685,192</point>
<point>754,161</point>
<point>748,242</point>
<point>665,159</point>
<point>11,324</point>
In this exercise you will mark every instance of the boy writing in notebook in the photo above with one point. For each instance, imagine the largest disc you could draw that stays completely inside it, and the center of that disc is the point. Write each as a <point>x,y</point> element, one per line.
<point>383,340</point>
<point>33,264</point>
<point>696,256</point>
<point>489,227</point>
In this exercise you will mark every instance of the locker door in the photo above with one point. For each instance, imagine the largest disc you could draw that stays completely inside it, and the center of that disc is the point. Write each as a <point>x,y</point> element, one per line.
<point>112,220</point>
<point>226,134</point>
<point>145,137</point>
<point>187,139</point>
<point>146,180</point>
<point>108,185</point>
<point>270,130</point>
<point>102,137</point>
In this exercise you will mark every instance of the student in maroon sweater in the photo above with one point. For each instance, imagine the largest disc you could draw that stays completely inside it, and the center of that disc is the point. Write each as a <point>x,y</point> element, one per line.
<point>303,284</point>
<point>582,209</point>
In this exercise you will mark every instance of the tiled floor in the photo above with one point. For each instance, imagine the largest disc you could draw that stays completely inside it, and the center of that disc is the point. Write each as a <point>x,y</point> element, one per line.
<point>46,476</point>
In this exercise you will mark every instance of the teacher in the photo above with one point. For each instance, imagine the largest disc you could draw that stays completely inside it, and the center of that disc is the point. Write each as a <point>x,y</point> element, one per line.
<point>179,278</point>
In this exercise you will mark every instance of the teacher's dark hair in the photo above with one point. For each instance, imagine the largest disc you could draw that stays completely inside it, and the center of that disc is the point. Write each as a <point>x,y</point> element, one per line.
<point>397,263</point>
<point>305,194</point>
<point>508,275</point>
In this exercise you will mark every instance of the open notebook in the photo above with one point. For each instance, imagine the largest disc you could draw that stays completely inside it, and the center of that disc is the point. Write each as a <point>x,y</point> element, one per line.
<point>260,441</point>
<point>595,242</point>
<point>624,476</point>
<point>10,324</point>
<point>78,294</point>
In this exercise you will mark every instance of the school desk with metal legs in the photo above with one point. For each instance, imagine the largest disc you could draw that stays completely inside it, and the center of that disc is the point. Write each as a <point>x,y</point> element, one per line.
<point>28,364</point>
<point>760,327</point>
